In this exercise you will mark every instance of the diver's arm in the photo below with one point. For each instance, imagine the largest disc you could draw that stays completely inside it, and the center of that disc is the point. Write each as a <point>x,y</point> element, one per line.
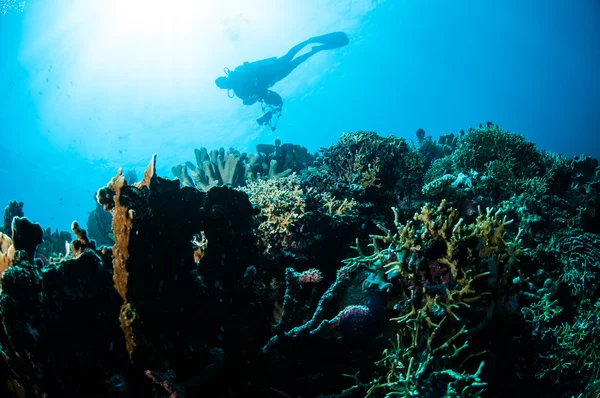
<point>247,90</point>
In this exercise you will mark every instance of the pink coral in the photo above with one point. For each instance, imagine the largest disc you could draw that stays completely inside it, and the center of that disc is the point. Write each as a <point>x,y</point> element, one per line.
<point>348,313</point>
<point>312,275</point>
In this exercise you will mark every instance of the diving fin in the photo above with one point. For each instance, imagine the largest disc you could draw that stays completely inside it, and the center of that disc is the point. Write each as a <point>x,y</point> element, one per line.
<point>331,40</point>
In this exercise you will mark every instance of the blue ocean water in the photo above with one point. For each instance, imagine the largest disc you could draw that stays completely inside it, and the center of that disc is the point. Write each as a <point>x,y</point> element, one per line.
<point>88,87</point>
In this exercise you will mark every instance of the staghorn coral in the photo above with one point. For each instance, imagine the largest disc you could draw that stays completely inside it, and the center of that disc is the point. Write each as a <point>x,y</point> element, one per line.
<point>282,205</point>
<point>563,315</point>
<point>440,268</point>
<point>336,207</point>
<point>471,311</point>
<point>568,354</point>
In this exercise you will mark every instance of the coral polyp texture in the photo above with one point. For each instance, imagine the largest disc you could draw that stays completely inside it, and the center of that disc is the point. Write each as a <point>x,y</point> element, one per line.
<point>461,266</point>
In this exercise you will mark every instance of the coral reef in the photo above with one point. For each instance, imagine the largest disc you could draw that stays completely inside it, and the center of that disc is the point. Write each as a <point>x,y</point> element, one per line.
<point>463,266</point>
<point>289,213</point>
<point>234,169</point>
<point>13,209</point>
<point>99,226</point>
<point>442,270</point>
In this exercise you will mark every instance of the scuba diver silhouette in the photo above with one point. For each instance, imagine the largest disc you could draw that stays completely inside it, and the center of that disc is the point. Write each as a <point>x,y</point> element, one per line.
<point>251,80</point>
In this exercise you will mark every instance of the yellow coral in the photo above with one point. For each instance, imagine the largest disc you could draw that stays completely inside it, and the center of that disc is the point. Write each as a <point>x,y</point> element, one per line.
<point>430,326</point>
<point>337,207</point>
<point>7,252</point>
<point>123,227</point>
<point>282,205</point>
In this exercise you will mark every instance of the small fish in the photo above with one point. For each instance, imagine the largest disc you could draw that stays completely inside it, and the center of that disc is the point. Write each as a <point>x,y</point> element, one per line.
<point>46,80</point>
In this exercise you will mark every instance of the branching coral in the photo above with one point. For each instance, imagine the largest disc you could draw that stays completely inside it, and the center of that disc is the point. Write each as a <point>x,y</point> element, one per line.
<point>504,164</point>
<point>440,267</point>
<point>580,254</point>
<point>368,160</point>
<point>566,326</point>
<point>282,204</point>
<point>317,325</point>
<point>572,353</point>
<point>336,207</point>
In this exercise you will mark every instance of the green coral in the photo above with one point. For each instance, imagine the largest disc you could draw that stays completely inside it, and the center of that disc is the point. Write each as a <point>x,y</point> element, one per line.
<point>572,354</point>
<point>504,162</point>
<point>367,159</point>
<point>512,155</point>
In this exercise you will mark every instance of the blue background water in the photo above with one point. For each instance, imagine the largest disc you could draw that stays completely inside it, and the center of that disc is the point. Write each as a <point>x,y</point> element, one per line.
<point>87,87</point>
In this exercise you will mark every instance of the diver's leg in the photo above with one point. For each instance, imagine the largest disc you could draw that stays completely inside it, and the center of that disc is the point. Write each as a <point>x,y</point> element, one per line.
<point>294,50</point>
<point>286,68</point>
<point>328,41</point>
<point>298,60</point>
<point>286,64</point>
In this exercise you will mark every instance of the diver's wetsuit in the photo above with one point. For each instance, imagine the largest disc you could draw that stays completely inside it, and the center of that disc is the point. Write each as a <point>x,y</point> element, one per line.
<point>251,81</point>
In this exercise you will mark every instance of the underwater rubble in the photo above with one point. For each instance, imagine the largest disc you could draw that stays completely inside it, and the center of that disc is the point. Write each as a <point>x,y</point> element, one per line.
<point>463,266</point>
